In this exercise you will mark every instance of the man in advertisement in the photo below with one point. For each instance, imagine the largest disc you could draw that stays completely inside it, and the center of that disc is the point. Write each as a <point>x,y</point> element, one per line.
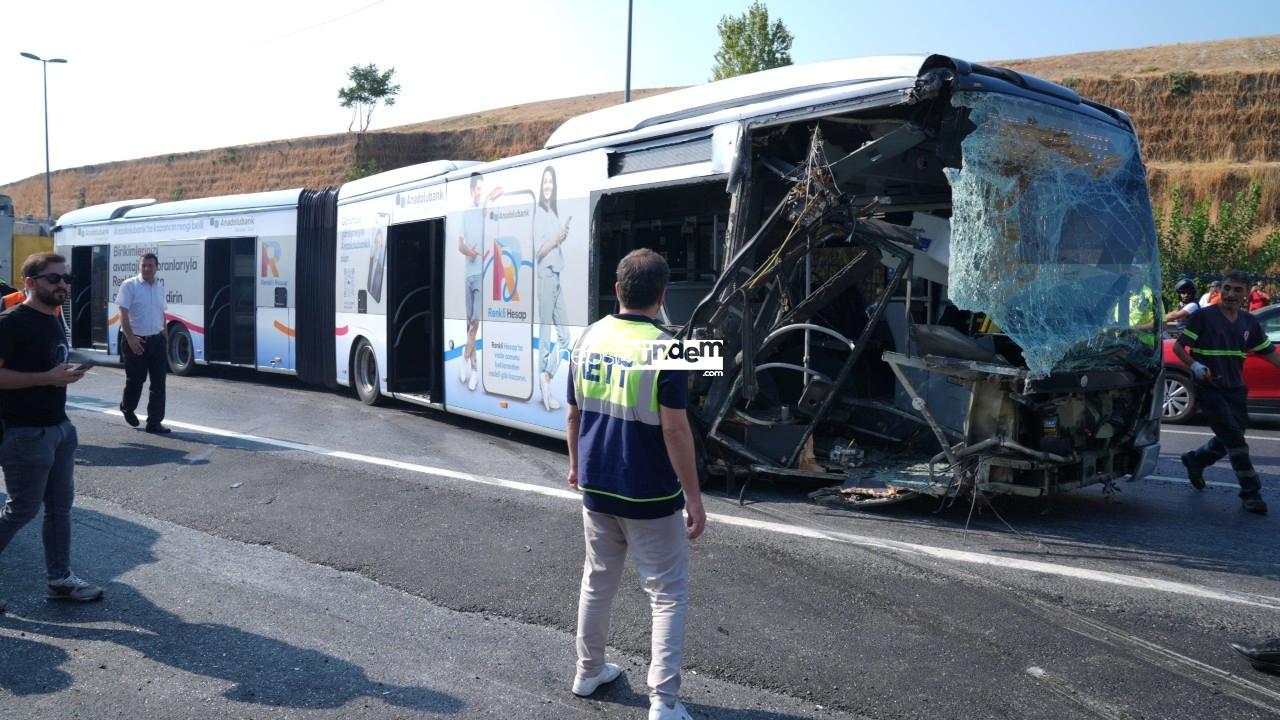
<point>38,449</point>
<point>631,454</point>
<point>142,309</point>
<point>471,244</point>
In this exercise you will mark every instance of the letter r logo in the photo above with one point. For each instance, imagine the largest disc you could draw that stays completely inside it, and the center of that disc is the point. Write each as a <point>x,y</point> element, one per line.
<point>270,259</point>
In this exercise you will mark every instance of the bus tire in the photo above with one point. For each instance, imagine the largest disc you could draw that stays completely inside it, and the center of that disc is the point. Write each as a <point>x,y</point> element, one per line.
<point>181,351</point>
<point>364,373</point>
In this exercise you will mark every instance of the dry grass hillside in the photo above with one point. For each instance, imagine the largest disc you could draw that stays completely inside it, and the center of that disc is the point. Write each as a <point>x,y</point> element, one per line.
<point>1207,115</point>
<point>1244,54</point>
<point>307,162</point>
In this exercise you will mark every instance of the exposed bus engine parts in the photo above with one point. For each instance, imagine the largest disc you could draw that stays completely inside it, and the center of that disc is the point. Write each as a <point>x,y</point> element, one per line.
<point>949,295</point>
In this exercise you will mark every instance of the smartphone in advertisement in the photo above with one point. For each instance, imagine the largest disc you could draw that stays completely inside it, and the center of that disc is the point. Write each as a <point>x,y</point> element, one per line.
<point>507,297</point>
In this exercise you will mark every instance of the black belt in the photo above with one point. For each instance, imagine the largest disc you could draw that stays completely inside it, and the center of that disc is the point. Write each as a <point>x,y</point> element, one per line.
<point>147,337</point>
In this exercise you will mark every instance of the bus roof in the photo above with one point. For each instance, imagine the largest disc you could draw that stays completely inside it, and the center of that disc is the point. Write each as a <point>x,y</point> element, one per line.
<point>737,91</point>
<point>148,208</point>
<point>105,211</point>
<point>224,203</point>
<point>400,176</point>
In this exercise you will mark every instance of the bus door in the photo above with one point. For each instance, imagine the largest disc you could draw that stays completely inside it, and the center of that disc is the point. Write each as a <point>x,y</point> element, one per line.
<point>230,302</point>
<point>90,294</point>
<point>415,282</point>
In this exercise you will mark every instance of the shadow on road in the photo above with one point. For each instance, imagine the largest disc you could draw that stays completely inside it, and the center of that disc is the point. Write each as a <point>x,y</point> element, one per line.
<point>31,668</point>
<point>132,454</point>
<point>262,670</point>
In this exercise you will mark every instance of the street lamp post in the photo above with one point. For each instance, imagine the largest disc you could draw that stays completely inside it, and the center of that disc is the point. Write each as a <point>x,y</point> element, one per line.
<point>48,187</point>
<point>626,93</point>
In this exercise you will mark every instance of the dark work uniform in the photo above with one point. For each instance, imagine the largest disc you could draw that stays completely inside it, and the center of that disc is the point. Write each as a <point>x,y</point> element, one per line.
<point>39,444</point>
<point>1221,345</point>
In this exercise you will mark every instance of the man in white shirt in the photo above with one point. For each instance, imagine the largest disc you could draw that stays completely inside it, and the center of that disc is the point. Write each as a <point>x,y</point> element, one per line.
<point>142,308</point>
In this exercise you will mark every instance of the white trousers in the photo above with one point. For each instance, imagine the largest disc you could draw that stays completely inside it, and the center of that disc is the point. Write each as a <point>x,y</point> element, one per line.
<point>660,550</point>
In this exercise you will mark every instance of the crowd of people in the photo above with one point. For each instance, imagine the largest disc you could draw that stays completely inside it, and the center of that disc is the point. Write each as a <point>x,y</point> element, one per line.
<point>1188,302</point>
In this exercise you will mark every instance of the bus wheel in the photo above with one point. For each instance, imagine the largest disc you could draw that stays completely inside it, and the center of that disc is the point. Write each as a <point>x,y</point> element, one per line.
<point>364,374</point>
<point>182,353</point>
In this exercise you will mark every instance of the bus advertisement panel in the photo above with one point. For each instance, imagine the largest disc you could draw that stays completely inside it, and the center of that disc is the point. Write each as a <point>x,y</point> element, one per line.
<point>180,271</point>
<point>516,287</point>
<point>506,293</point>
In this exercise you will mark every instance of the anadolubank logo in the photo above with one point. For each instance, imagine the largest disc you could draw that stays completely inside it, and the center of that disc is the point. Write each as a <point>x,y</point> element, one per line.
<point>231,222</point>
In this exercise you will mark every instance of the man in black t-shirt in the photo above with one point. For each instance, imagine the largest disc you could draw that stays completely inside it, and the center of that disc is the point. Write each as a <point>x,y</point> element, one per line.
<point>38,448</point>
<point>1214,345</point>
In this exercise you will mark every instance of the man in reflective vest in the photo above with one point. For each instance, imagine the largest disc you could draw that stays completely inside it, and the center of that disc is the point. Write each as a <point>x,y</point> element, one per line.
<point>631,454</point>
<point>1214,345</point>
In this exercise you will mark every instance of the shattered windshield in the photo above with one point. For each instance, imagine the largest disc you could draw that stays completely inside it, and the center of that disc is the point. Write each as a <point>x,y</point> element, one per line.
<point>1052,234</point>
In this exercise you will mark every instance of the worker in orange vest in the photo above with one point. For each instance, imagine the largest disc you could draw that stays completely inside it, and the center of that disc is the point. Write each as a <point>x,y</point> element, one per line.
<point>11,297</point>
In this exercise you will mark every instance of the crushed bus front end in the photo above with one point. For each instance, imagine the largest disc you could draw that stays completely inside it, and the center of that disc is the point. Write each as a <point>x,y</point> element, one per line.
<point>950,292</point>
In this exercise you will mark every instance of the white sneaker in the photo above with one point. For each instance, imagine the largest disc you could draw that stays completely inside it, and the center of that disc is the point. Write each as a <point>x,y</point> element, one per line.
<point>548,401</point>
<point>73,588</point>
<point>549,395</point>
<point>475,378</point>
<point>583,687</point>
<point>462,373</point>
<point>659,711</point>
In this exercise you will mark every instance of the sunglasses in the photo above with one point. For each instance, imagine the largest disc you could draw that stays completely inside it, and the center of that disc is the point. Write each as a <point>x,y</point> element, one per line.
<point>53,278</point>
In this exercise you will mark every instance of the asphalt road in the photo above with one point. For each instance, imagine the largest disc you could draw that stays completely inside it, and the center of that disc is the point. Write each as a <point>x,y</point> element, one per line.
<point>289,552</point>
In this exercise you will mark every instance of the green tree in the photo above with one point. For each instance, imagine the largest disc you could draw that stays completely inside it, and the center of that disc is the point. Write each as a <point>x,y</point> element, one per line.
<point>750,43</point>
<point>357,171</point>
<point>368,87</point>
<point>1193,244</point>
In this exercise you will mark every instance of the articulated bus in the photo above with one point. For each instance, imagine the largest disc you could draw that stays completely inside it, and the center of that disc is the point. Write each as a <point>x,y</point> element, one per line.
<point>906,257</point>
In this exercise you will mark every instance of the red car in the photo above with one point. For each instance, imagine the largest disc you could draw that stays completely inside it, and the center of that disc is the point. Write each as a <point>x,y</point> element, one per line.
<point>1262,378</point>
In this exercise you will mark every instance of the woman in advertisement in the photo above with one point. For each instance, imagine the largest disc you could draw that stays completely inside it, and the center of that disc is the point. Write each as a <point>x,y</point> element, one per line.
<point>548,235</point>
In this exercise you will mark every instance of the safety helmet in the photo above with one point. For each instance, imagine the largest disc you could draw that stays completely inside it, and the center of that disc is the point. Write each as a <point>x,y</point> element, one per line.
<point>1185,285</point>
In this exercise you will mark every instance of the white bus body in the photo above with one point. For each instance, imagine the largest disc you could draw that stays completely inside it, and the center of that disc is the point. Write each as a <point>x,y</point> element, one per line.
<point>227,265</point>
<point>850,230</point>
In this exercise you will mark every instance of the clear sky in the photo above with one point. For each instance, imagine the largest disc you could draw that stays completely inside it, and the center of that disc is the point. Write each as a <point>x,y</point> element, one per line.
<point>150,77</point>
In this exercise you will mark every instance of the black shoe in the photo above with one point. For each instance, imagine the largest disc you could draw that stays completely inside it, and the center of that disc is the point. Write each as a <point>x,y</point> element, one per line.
<point>158,429</point>
<point>129,417</point>
<point>1255,504</point>
<point>1264,656</point>
<point>1195,473</point>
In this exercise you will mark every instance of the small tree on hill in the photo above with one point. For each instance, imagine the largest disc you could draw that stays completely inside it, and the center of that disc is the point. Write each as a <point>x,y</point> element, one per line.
<point>749,43</point>
<point>368,87</point>
<point>1192,244</point>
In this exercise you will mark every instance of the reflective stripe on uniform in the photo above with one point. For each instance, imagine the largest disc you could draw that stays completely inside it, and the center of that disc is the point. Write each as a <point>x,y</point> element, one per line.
<point>672,496</point>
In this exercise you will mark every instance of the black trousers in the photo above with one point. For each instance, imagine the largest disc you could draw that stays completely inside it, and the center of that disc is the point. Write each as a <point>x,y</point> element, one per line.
<point>153,362</point>
<point>1228,415</point>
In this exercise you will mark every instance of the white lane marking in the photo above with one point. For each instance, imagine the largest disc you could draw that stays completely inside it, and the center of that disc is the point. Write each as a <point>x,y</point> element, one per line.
<point>1184,481</point>
<point>1201,433</point>
<point>964,556</point>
